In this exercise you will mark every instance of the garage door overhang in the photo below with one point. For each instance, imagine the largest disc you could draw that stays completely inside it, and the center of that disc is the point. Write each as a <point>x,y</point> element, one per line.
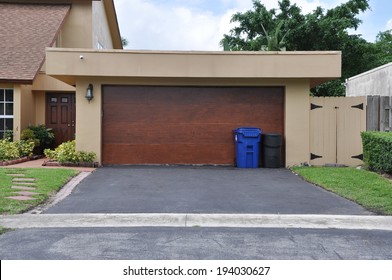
<point>317,66</point>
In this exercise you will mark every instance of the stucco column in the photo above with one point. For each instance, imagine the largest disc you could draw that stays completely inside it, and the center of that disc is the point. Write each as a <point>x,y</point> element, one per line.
<point>88,118</point>
<point>297,122</point>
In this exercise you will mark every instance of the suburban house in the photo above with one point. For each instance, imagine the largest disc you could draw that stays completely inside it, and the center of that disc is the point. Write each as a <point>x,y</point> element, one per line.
<point>148,107</point>
<point>27,94</point>
<point>376,86</point>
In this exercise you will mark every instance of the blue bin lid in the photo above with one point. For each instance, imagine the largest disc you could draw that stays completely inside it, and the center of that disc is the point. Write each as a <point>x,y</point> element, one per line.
<point>248,131</point>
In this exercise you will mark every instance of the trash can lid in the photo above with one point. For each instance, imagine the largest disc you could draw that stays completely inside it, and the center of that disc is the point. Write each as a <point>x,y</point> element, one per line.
<point>248,131</point>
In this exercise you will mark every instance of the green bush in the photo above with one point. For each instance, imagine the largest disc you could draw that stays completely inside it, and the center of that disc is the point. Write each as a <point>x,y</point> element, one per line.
<point>66,152</point>
<point>25,148</point>
<point>42,136</point>
<point>10,150</point>
<point>377,150</point>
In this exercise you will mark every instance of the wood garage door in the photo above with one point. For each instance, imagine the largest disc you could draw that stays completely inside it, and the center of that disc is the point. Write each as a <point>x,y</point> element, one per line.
<point>184,125</point>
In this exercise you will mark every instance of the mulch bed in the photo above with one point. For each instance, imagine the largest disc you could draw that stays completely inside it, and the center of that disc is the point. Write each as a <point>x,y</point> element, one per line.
<point>71,164</point>
<point>14,161</point>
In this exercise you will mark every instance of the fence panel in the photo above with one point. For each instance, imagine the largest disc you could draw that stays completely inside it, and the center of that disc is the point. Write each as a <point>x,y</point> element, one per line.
<point>373,113</point>
<point>379,113</point>
<point>335,127</point>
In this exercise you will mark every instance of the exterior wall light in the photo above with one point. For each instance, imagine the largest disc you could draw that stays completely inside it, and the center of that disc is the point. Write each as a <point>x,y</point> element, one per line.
<point>89,93</point>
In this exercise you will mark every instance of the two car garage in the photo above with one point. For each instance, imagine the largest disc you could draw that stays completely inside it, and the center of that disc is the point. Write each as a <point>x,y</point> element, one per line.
<point>183,125</point>
<point>180,107</point>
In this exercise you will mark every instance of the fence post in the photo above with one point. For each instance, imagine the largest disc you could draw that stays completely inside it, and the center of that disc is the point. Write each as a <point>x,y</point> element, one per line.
<point>385,110</point>
<point>373,113</point>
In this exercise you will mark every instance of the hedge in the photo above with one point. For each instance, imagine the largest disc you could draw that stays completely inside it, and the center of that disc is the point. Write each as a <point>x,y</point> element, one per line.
<point>377,151</point>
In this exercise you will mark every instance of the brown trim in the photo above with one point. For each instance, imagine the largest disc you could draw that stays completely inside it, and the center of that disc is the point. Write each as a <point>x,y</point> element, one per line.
<point>16,81</point>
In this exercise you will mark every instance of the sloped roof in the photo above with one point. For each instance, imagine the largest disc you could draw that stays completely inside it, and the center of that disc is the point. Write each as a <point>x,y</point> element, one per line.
<point>25,31</point>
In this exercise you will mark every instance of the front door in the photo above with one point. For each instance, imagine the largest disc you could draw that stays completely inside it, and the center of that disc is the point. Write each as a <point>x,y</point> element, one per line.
<point>60,116</point>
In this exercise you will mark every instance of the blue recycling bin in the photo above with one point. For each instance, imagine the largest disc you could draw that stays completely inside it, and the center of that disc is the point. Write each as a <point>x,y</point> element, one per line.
<point>247,146</point>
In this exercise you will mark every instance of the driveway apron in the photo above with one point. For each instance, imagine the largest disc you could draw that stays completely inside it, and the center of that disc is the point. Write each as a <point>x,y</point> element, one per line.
<point>185,189</point>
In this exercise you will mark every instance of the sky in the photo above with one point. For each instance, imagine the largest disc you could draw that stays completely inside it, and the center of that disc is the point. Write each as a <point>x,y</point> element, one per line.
<point>200,24</point>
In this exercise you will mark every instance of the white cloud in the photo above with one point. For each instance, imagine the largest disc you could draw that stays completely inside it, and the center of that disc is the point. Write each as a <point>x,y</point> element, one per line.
<point>149,26</point>
<point>187,25</point>
<point>389,24</point>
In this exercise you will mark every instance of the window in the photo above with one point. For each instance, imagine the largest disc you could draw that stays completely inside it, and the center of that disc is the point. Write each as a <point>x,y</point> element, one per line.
<point>6,110</point>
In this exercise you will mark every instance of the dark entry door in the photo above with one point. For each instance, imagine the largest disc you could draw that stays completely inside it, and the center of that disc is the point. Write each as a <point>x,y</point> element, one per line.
<point>60,116</point>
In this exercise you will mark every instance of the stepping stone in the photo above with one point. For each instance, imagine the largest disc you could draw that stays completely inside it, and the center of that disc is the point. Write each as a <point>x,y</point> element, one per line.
<point>16,175</point>
<point>23,188</point>
<point>21,197</point>
<point>26,193</point>
<point>24,180</point>
<point>25,183</point>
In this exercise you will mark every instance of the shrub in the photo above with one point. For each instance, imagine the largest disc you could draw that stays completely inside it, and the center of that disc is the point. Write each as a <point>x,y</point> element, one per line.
<point>66,152</point>
<point>377,150</point>
<point>25,148</point>
<point>12,150</point>
<point>42,136</point>
<point>28,135</point>
<point>8,150</point>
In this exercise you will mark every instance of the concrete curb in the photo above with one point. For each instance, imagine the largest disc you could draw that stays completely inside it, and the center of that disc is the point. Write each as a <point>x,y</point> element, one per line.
<point>198,220</point>
<point>63,193</point>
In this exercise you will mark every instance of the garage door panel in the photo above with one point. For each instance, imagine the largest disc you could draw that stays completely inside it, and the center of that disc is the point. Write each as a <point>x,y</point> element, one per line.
<point>160,154</point>
<point>126,113</point>
<point>173,133</point>
<point>184,125</point>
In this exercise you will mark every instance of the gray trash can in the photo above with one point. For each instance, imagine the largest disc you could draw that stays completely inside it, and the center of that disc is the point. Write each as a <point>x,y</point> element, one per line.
<point>271,155</point>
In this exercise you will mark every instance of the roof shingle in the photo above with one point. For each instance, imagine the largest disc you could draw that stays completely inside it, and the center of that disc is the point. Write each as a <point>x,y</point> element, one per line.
<point>25,31</point>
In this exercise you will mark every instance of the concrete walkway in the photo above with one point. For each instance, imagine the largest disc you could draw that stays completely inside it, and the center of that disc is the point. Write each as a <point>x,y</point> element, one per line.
<point>38,164</point>
<point>197,220</point>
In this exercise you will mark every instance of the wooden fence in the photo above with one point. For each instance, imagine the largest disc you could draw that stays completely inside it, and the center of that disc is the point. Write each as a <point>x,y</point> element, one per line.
<point>379,114</point>
<point>335,130</point>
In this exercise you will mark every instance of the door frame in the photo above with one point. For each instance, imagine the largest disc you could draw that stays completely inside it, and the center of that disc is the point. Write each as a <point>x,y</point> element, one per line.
<point>72,112</point>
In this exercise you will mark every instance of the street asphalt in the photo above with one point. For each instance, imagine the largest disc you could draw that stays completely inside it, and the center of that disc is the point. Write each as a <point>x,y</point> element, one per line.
<point>155,243</point>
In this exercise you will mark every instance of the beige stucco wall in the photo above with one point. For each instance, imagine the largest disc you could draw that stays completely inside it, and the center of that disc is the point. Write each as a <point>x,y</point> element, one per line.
<point>88,118</point>
<point>65,64</point>
<point>23,111</point>
<point>101,32</point>
<point>77,29</point>
<point>297,122</point>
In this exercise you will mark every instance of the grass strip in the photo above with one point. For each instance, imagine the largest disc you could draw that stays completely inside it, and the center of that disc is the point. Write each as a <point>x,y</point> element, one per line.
<point>369,189</point>
<point>47,182</point>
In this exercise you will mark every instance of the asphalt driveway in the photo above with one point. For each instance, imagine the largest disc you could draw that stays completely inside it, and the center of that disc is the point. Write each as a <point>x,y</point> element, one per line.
<point>180,189</point>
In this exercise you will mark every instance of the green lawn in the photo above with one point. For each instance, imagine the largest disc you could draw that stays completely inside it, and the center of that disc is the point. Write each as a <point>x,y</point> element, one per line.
<point>368,189</point>
<point>48,182</point>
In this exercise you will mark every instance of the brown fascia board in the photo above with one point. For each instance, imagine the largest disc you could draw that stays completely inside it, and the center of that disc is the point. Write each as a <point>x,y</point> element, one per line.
<point>17,81</point>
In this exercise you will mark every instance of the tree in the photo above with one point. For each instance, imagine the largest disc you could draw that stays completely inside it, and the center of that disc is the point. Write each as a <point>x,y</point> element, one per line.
<point>383,47</point>
<point>124,41</point>
<point>319,30</point>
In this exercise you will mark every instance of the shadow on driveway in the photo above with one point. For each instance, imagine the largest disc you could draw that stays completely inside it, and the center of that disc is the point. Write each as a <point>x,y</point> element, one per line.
<point>179,189</point>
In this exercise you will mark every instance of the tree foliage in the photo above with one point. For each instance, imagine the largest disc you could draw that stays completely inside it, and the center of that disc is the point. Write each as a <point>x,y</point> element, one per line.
<point>288,28</point>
